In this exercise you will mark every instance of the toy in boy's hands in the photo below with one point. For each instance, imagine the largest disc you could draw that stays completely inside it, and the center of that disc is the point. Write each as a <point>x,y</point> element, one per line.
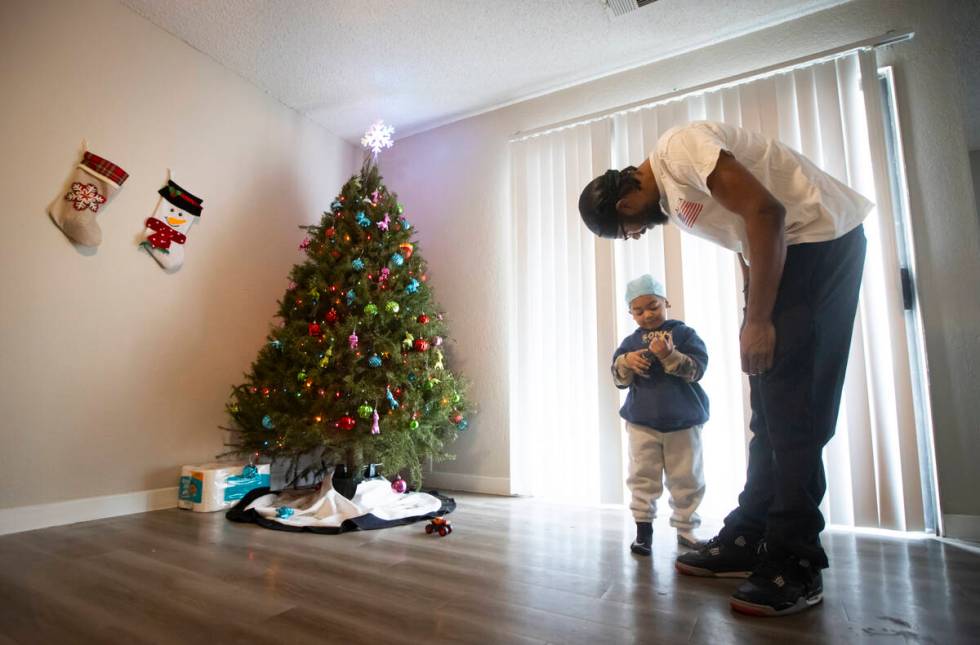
<point>638,362</point>
<point>661,344</point>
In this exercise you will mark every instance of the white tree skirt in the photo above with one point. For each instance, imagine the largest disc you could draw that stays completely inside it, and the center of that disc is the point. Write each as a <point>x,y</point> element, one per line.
<point>327,508</point>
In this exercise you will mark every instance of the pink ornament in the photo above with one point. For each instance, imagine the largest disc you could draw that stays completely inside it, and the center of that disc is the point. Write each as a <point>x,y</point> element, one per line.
<point>374,423</point>
<point>352,339</point>
<point>437,341</point>
<point>399,485</point>
<point>383,223</point>
<point>305,244</point>
<point>384,274</point>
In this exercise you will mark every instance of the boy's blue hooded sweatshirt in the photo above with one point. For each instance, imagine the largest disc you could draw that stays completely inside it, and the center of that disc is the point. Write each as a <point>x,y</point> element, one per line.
<point>665,402</point>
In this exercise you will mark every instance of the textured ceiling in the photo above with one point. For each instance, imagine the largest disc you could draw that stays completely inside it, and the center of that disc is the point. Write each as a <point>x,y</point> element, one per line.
<point>422,63</point>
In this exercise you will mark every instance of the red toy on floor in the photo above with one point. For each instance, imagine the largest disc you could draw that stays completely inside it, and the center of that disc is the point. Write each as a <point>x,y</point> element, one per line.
<point>439,525</point>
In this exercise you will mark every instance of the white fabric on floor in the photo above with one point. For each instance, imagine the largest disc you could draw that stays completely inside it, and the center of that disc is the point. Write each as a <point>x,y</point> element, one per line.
<point>328,508</point>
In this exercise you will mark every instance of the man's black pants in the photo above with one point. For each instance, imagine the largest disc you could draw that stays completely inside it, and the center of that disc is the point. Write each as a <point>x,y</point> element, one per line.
<point>795,403</point>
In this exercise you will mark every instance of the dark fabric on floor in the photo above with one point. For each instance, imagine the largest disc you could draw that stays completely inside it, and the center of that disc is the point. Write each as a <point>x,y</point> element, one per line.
<point>368,522</point>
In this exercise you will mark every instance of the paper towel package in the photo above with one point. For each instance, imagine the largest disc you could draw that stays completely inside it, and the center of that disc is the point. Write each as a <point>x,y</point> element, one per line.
<point>217,486</point>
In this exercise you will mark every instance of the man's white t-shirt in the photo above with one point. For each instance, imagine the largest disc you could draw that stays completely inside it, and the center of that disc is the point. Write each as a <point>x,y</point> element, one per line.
<point>818,207</point>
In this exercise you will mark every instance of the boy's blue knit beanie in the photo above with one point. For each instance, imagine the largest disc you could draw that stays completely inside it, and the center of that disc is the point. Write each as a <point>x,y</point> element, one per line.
<point>645,285</point>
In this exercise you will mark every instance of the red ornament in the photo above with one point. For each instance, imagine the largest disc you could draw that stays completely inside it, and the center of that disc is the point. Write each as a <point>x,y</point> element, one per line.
<point>346,423</point>
<point>420,345</point>
<point>265,391</point>
<point>314,328</point>
<point>456,418</point>
<point>332,315</point>
<point>423,319</point>
<point>399,485</point>
<point>331,232</point>
<point>335,253</point>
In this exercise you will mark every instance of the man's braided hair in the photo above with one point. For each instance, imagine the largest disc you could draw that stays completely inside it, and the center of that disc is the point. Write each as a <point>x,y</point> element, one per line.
<point>597,204</point>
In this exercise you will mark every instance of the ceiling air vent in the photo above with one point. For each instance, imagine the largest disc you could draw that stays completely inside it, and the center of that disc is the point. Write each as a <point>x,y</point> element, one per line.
<point>622,7</point>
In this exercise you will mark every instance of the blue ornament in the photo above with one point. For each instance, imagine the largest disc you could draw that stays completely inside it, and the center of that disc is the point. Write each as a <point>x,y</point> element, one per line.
<point>374,361</point>
<point>362,220</point>
<point>284,512</point>
<point>463,425</point>
<point>276,344</point>
<point>397,259</point>
<point>405,224</point>
<point>411,377</point>
<point>413,286</point>
<point>351,297</point>
<point>358,264</point>
<point>267,422</point>
<point>336,205</point>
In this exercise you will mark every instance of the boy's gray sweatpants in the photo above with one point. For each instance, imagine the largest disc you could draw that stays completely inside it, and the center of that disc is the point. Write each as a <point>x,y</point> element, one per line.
<point>677,455</point>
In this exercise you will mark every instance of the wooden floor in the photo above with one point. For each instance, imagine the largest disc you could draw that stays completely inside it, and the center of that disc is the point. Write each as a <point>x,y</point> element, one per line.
<point>513,571</point>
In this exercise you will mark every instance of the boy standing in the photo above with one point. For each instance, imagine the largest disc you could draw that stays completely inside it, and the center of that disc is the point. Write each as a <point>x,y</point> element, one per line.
<point>661,363</point>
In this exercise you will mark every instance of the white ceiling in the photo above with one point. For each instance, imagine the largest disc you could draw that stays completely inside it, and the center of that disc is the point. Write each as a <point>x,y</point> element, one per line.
<point>421,63</point>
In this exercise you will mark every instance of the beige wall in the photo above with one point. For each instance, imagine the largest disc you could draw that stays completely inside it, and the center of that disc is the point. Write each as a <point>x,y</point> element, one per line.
<point>975,169</point>
<point>113,372</point>
<point>455,179</point>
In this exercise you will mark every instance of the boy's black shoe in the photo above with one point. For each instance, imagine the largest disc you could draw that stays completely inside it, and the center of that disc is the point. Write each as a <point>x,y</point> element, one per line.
<point>779,587</point>
<point>643,544</point>
<point>719,558</point>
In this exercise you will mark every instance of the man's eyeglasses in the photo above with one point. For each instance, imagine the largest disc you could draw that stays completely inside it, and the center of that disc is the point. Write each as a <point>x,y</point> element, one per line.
<point>623,235</point>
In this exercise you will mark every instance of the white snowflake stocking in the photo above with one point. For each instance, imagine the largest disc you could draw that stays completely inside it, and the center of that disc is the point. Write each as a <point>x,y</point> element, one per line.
<point>92,185</point>
<point>166,230</point>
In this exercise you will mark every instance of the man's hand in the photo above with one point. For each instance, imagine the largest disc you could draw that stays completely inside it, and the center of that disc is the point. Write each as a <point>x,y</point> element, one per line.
<point>758,344</point>
<point>662,345</point>
<point>637,362</point>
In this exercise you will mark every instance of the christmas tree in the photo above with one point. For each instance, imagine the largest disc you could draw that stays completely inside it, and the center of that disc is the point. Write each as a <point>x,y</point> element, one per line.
<point>354,374</point>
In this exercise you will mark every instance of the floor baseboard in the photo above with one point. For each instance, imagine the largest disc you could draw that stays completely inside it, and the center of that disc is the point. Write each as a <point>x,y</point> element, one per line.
<point>962,527</point>
<point>39,516</point>
<point>467,483</point>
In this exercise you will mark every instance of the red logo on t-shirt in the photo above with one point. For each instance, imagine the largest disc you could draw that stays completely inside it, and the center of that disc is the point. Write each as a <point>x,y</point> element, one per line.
<point>688,212</point>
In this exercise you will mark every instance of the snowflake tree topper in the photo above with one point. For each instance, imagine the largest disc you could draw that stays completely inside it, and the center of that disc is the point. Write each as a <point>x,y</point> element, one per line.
<point>378,136</point>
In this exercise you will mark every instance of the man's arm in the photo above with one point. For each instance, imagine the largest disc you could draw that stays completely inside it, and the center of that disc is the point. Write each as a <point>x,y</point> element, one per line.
<point>737,189</point>
<point>743,265</point>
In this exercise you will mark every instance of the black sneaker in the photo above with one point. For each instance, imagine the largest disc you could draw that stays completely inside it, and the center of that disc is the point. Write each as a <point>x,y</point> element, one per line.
<point>643,544</point>
<point>719,558</point>
<point>778,588</point>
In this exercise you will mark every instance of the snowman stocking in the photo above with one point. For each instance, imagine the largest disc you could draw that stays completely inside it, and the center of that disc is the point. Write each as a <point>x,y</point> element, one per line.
<point>166,230</point>
<point>92,185</point>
